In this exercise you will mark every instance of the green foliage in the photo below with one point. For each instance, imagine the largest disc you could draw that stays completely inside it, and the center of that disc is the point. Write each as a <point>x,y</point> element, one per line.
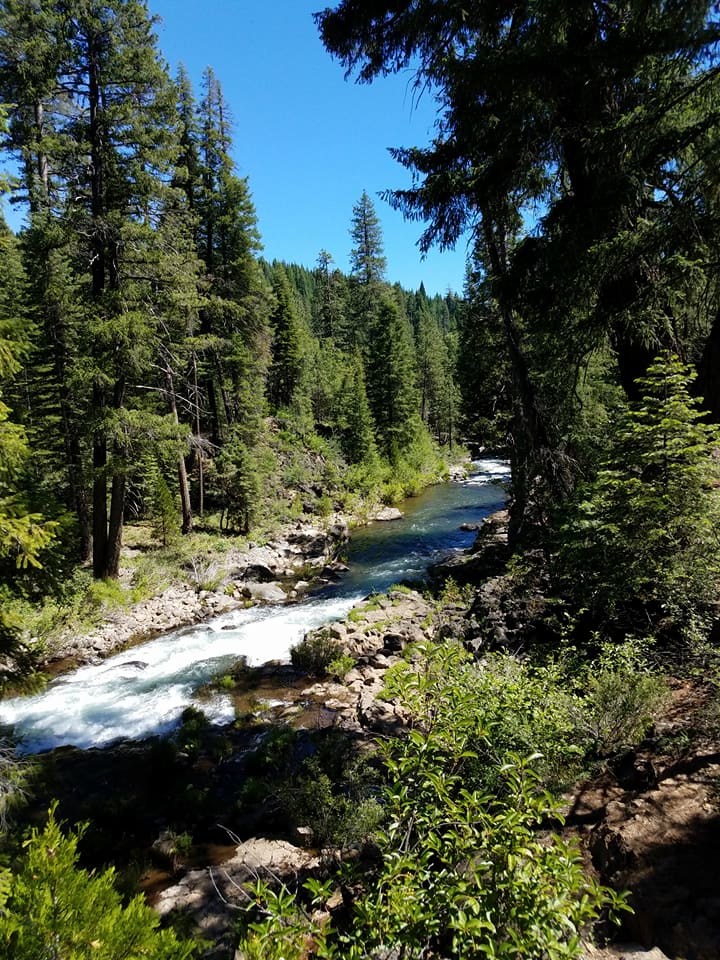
<point>340,666</point>
<point>503,707</point>
<point>392,393</point>
<point>620,696</point>
<point>52,908</point>
<point>316,653</point>
<point>639,545</point>
<point>465,874</point>
<point>464,871</point>
<point>336,809</point>
<point>240,481</point>
<point>193,730</point>
<point>287,930</point>
<point>164,511</point>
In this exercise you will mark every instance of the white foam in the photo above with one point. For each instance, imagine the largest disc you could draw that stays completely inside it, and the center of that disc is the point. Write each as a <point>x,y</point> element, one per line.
<point>144,690</point>
<point>488,470</point>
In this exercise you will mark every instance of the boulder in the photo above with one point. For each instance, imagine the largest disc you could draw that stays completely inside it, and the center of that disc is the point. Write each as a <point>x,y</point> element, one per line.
<point>388,513</point>
<point>267,592</point>
<point>258,573</point>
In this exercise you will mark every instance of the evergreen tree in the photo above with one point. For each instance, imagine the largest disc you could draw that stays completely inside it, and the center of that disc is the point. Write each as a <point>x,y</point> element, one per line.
<point>601,113</point>
<point>329,306</point>
<point>367,262</point>
<point>23,533</point>
<point>287,345</point>
<point>391,381</point>
<point>367,271</point>
<point>233,336</point>
<point>358,437</point>
<point>640,543</point>
<point>96,221</point>
<point>52,908</point>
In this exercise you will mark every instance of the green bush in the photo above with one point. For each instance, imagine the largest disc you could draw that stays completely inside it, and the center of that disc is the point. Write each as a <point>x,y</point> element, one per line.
<point>315,653</point>
<point>465,868</point>
<point>503,706</point>
<point>620,698</point>
<point>50,908</point>
<point>339,813</point>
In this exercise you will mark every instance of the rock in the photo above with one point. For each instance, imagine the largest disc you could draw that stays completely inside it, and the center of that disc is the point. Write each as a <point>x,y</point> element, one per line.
<point>164,851</point>
<point>211,897</point>
<point>268,592</point>
<point>258,572</point>
<point>388,513</point>
<point>610,851</point>
<point>394,642</point>
<point>470,526</point>
<point>622,952</point>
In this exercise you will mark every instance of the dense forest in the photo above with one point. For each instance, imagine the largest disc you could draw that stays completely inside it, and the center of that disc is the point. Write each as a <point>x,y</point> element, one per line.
<point>155,369</point>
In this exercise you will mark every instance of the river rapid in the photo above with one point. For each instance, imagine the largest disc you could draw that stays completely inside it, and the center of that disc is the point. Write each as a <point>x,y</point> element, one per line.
<point>143,691</point>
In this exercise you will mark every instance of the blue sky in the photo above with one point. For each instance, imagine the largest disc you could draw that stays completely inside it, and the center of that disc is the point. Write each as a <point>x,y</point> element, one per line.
<point>309,141</point>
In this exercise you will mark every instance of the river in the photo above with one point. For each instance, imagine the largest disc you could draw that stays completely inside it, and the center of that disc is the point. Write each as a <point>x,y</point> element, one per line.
<point>143,691</point>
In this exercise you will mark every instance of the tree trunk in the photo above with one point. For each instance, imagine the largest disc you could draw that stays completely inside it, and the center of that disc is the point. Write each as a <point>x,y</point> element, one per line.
<point>117,512</point>
<point>185,505</point>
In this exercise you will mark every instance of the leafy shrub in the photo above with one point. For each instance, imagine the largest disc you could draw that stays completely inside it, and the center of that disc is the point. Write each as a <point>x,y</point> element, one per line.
<point>338,813</point>
<point>504,706</point>
<point>194,726</point>
<point>340,666</point>
<point>621,696</point>
<point>315,653</point>
<point>463,871</point>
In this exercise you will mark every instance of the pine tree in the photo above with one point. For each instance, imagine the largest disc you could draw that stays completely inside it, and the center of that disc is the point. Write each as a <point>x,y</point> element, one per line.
<point>358,436</point>
<point>97,220</point>
<point>234,336</point>
<point>23,533</point>
<point>640,544</point>
<point>329,305</point>
<point>287,363</point>
<point>392,393</point>
<point>53,908</point>
<point>367,271</point>
<point>367,262</point>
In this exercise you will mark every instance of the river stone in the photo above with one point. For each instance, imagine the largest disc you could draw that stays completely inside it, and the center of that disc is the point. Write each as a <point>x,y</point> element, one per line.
<point>269,592</point>
<point>258,572</point>
<point>388,513</point>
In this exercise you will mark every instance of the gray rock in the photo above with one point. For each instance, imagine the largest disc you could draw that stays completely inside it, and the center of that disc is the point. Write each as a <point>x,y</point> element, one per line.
<point>268,592</point>
<point>388,513</point>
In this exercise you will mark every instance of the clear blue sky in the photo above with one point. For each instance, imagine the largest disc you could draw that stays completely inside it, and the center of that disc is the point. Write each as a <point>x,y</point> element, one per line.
<point>309,141</point>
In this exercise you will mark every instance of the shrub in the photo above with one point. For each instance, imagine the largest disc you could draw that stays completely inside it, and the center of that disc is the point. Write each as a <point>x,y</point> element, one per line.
<point>463,871</point>
<point>315,653</point>
<point>51,908</point>
<point>338,813</point>
<point>620,700</point>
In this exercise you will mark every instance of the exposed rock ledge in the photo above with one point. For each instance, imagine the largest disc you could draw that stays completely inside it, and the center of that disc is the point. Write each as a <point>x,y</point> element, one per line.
<point>212,896</point>
<point>260,574</point>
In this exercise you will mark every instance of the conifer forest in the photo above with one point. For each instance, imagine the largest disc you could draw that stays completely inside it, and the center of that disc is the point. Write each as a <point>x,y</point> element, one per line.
<point>449,564</point>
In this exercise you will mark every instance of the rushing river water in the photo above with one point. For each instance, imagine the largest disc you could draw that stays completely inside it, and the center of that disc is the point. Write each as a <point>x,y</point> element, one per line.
<point>143,690</point>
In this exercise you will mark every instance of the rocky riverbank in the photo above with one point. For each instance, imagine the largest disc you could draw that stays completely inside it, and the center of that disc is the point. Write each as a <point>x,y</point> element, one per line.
<point>277,572</point>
